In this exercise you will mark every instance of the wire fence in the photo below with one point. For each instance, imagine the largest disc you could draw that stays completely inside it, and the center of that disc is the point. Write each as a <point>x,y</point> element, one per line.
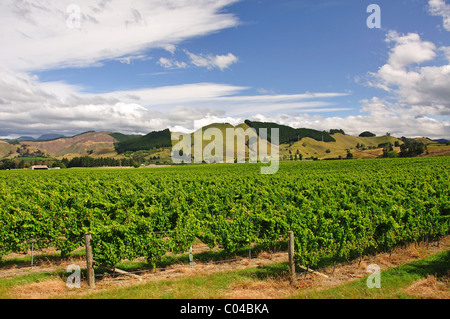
<point>192,263</point>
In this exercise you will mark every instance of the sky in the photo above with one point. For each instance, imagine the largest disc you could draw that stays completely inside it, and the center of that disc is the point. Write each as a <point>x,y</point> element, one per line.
<point>144,65</point>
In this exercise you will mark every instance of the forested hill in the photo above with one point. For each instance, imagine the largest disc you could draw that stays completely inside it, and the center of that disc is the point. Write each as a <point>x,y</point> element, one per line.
<point>288,134</point>
<point>152,140</point>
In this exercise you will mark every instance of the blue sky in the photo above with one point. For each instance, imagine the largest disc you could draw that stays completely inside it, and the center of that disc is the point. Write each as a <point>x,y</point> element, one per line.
<point>147,66</point>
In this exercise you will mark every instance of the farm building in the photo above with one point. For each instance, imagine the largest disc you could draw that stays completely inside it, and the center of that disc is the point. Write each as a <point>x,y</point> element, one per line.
<point>39,167</point>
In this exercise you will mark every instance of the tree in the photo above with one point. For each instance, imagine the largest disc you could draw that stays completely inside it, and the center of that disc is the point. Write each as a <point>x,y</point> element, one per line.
<point>392,154</point>
<point>65,162</point>
<point>366,134</point>
<point>388,148</point>
<point>349,154</point>
<point>411,148</point>
<point>334,131</point>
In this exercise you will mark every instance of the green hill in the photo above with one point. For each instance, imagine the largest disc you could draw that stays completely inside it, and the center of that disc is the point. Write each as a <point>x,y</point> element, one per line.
<point>222,127</point>
<point>289,135</point>
<point>370,147</point>
<point>6,149</point>
<point>156,139</point>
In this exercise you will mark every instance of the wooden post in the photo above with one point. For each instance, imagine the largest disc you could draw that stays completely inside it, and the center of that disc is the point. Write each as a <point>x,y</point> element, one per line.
<point>32,250</point>
<point>89,261</point>
<point>191,257</point>
<point>291,257</point>
<point>249,251</point>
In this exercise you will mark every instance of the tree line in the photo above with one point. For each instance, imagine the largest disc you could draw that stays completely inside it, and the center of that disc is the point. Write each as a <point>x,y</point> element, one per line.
<point>84,161</point>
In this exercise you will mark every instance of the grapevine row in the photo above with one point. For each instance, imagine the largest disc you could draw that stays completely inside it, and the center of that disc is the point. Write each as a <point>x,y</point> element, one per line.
<point>336,209</point>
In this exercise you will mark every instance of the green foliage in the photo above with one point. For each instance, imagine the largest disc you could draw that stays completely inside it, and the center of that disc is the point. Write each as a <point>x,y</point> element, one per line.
<point>392,154</point>
<point>339,210</point>
<point>147,142</point>
<point>334,131</point>
<point>87,161</point>
<point>288,134</point>
<point>411,148</point>
<point>367,134</point>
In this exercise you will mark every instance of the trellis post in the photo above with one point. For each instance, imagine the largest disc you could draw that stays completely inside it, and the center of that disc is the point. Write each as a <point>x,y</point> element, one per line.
<point>89,261</point>
<point>291,257</point>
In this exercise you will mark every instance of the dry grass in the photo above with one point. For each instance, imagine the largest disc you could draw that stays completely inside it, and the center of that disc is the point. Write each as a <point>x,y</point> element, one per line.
<point>270,288</point>
<point>249,288</point>
<point>39,290</point>
<point>358,269</point>
<point>429,288</point>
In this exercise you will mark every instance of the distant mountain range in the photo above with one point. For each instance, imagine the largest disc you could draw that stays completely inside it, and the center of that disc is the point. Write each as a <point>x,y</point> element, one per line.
<point>44,137</point>
<point>441,141</point>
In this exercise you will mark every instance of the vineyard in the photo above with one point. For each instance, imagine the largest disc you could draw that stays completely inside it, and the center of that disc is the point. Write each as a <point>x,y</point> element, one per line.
<point>337,209</point>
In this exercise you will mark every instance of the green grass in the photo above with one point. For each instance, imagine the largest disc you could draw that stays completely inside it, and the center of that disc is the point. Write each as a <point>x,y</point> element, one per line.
<point>392,281</point>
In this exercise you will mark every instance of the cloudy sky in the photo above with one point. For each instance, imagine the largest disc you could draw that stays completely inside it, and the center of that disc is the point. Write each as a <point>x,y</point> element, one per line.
<point>143,65</point>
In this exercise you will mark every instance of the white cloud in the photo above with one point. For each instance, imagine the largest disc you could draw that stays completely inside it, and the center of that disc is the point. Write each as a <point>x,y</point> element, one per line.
<point>265,91</point>
<point>212,61</point>
<point>170,48</point>
<point>199,60</point>
<point>30,107</point>
<point>418,89</point>
<point>38,36</point>
<point>446,52</point>
<point>418,100</point>
<point>440,8</point>
<point>130,58</point>
<point>409,49</point>
<point>172,64</point>
<point>397,124</point>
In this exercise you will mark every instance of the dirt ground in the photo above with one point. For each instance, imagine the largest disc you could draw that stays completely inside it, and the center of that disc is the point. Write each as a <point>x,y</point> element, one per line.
<point>248,289</point>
